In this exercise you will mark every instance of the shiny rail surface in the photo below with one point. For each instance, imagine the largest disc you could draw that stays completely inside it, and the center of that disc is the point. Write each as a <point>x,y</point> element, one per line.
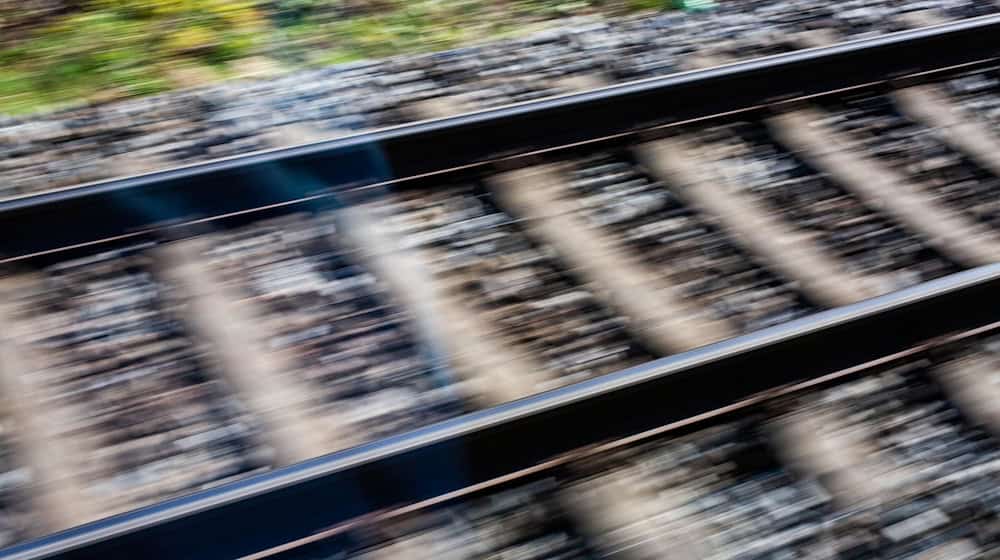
<point>134,205</point>
<point>456,454</point>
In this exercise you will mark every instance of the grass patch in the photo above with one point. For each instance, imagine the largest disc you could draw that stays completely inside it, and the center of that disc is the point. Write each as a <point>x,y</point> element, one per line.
<point>110,49</point>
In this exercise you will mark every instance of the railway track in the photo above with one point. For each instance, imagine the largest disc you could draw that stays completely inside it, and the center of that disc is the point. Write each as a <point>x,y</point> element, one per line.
<point>579,290</point>
<point>697,491</point>
<point>666,399</point>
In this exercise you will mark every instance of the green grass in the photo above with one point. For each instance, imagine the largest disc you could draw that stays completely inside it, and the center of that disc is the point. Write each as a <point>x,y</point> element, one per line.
<point>120,51</point>
<point>122,48</point>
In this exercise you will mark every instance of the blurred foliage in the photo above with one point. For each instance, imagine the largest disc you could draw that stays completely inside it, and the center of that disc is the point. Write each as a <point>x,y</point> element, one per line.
<point>325,31</point>
<point>55,52</point>
<point>115,48</point>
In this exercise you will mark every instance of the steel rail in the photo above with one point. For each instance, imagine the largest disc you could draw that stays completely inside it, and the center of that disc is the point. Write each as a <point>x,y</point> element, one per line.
<point>675,428</point>
<point>272,509</point>
<point>123,207</point>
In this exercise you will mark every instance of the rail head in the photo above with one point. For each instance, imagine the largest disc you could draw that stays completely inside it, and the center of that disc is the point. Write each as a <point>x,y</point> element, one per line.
<point>124,206</point>
<point>482,445</point>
